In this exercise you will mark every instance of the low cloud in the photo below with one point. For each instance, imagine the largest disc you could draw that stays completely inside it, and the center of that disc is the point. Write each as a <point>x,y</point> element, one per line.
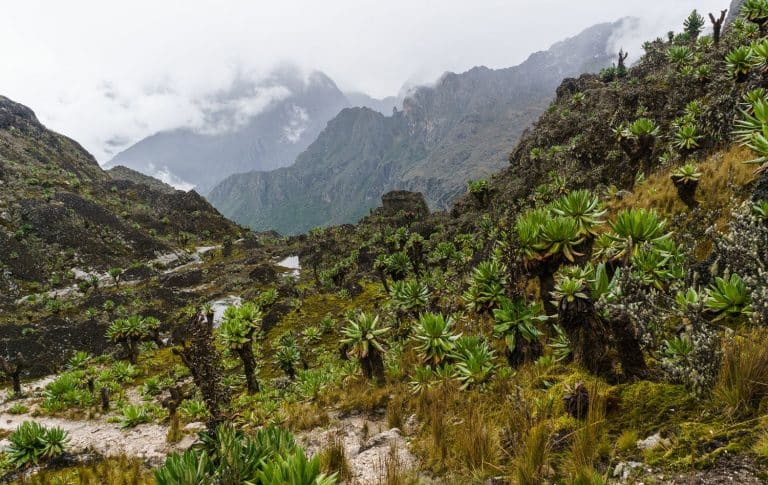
<point>165,175</point>
<point>109,76</point>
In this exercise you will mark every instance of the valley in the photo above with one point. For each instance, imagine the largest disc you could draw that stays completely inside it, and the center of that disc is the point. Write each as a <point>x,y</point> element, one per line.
<point>555,273</point>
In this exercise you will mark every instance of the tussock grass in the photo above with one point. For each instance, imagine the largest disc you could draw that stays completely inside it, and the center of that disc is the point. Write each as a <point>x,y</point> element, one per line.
<point>392,471</point>
<point>113,471</point>
<point>532,461</point>
<point>743,379</point>
<point>761,445</point>
<point>627,441</point>
<point>589,441</point>
<point>396,410</point>
<point>361,395</point>
<point>304,416</point>
<point>333,458</point>
<point>476,442</point>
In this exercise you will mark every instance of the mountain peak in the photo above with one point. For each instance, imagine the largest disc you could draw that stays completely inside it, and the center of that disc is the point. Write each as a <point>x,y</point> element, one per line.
<point>256,124</point>
<point>11,110</point>
<point>459,129</point>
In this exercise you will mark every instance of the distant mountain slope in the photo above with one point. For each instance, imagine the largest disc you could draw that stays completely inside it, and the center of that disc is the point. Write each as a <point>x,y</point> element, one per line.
<point>236,141</point>
<point>60,211</point>
<point>444,136</point>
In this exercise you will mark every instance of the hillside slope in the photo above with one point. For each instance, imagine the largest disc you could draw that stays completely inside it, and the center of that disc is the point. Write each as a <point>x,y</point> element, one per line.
<point>59,210</point>
<point>444,136</point>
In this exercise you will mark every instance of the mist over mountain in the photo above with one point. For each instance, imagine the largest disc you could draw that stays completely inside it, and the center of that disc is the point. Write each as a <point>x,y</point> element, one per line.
<point>459,129</point>
<point>383,106</point>
<point>253,125</point>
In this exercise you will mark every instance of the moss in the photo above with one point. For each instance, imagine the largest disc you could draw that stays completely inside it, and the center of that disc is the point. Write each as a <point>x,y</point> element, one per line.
<point>649,407</point>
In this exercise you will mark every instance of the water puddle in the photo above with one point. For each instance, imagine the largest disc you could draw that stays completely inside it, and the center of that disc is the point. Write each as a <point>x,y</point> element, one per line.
<point>292,263</point>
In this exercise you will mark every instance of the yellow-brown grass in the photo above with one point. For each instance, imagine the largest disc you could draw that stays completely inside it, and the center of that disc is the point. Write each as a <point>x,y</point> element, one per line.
<point>722,175</point>
<point>303,416</point>
<point>333,458</point>
<point>743,379</point>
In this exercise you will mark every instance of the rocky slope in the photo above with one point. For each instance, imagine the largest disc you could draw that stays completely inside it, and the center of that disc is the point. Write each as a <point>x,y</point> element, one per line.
<point>444,136</point>
<point>234,140</point>
<point>60,211</point>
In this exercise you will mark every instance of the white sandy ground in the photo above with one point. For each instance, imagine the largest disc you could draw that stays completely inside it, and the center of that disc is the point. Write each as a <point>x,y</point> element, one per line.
<point>367,451</point>
<point>146,441</point>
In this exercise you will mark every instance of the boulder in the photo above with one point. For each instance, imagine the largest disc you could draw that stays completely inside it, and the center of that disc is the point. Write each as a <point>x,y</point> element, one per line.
<point>263,273</point>
<point>182,279</point>
<point>403,200</point>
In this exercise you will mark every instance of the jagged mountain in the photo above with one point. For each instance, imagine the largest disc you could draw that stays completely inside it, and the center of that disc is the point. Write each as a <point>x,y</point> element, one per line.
<point>60,211</point>
<point>240,134</point>
<point>445,135</point>
<point>384,105</point>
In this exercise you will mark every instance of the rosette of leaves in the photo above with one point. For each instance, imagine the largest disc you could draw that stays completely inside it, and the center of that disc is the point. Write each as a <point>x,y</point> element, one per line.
<point>739,62</point>
<point>474,361</point>
<point>517,323</point>
<point>728,298</point>
<point>434,338</point>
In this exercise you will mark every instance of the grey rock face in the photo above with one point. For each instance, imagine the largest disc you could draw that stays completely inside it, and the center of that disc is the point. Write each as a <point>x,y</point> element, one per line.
<point>460,129</point>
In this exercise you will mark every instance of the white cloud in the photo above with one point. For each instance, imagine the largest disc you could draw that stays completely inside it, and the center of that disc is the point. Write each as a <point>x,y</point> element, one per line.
<point>297,125</point>
<point>108,73</point>
<point>165,175</point>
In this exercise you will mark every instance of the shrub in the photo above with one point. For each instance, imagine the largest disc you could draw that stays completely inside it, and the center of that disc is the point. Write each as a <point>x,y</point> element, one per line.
<point>486,289</point>
<point>688,173</point>
<point>679,55</point>
<point>583,207</point>
<point>410,295</point>
<point>687,137</point>
<point>194,409</point>
<point>634,227</point>
<point>18,408</point>
<point>229,456</point>
<point>434,339</point>
<point>364,335</point>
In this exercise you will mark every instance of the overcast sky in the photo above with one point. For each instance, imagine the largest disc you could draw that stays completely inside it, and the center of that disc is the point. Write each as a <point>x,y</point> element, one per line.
<point>108,73</point>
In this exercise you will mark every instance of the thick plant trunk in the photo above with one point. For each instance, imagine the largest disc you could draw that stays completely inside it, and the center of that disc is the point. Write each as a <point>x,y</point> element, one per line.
<point>384,282</point>
<point>628,346</point>
<point>249,368</point>
<point>172,403</point>
<point>545,270</point>
<point>16,379</point>
<point>104,394</point>
<point>524,351</point>
<point>203,361</point>
<point>589,336</point>
<point>686,191</point>
<point>13,370</point>
<point>133,351</point>
<point>373,366</point>
<point>546,286</point>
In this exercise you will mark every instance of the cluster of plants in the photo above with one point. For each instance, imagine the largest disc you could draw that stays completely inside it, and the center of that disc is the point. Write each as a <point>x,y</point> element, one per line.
<point>229,456</point>
<point>32,443</point>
